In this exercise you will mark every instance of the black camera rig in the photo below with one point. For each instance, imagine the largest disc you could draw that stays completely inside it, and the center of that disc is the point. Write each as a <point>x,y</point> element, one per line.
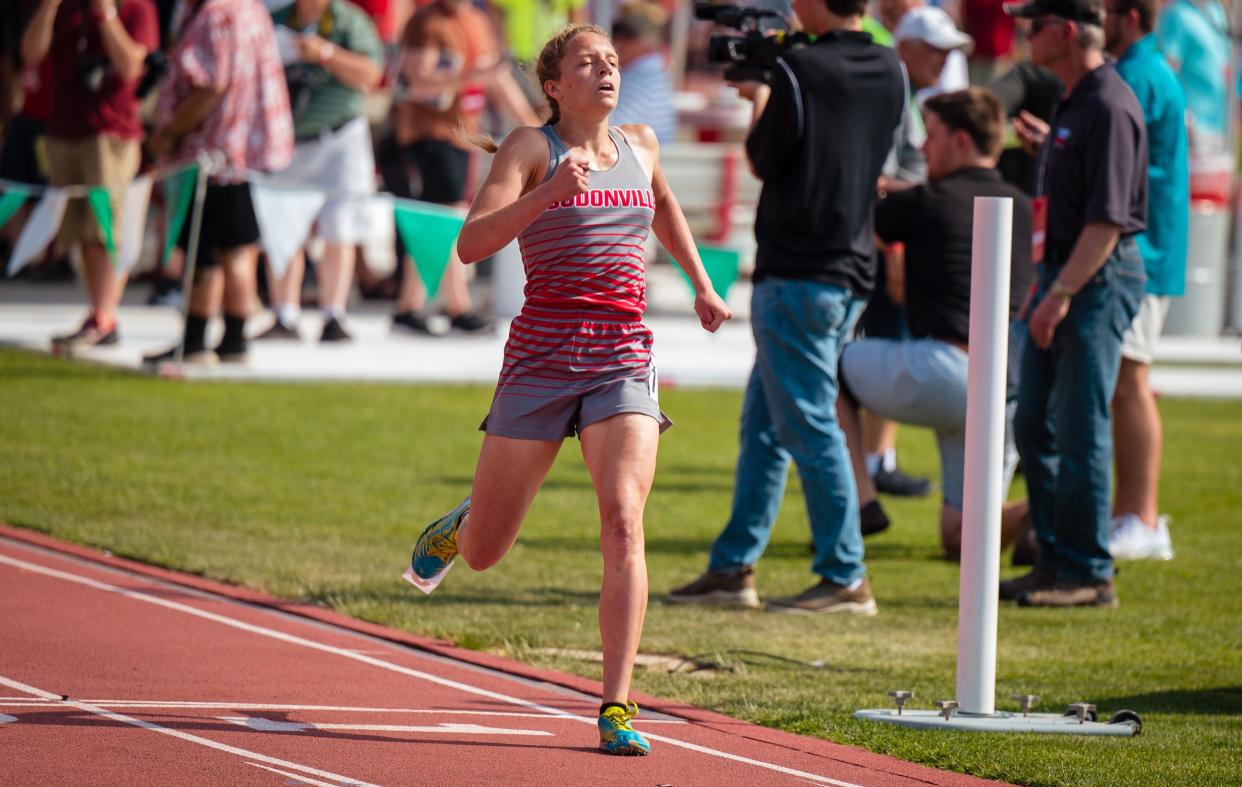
<point>752,55</point>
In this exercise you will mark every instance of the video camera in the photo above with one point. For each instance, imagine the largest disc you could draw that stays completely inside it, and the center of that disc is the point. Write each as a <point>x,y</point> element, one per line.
<point>752,55</point>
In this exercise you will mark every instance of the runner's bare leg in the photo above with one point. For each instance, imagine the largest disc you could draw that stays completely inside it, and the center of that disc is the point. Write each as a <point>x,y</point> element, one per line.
<point>620,454</point>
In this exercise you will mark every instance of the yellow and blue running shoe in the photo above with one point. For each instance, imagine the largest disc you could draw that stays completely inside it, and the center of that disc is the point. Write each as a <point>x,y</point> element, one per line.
<point>435,550</point>
<point>616,736</point>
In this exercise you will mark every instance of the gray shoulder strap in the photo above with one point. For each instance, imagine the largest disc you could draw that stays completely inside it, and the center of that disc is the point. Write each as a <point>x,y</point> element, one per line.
<point>556,150</point>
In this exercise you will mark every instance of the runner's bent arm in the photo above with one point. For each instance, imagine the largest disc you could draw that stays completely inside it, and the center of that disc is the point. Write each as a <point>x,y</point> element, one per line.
<point>508,200</point>
<point>673,232</point>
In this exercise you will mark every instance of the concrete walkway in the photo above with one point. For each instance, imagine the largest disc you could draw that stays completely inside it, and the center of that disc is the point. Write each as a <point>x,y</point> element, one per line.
<point>30,314</point>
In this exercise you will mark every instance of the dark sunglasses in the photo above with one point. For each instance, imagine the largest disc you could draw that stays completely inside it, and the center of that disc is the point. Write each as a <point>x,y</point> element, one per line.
<point>1039,23</point>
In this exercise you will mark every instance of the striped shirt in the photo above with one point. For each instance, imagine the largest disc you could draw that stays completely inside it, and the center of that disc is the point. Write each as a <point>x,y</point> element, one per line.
<point>585,283</point>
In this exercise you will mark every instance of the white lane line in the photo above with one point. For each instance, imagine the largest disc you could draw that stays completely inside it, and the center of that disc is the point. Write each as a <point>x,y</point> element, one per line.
<point>6,702</point>
<point>397,668</point>
<point>185,736</point>
<point>299,777</point>
<point>444,728</point>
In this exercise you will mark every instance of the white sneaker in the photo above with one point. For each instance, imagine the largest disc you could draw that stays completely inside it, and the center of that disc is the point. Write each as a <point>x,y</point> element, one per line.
<point>1131,539</point>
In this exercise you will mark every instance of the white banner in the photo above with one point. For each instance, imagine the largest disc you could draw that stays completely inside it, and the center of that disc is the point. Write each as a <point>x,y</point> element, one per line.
<point>378,226</point>
<point>40,228</point>
<point>133,224</point>
<point>285,217</point>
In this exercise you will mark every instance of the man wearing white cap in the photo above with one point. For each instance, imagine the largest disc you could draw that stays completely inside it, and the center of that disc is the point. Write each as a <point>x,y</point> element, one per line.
<point>926,38</point>
<point>955,75</point>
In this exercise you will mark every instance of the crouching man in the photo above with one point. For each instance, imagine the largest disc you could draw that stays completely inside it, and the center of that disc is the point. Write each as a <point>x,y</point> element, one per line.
<point>922,380</point>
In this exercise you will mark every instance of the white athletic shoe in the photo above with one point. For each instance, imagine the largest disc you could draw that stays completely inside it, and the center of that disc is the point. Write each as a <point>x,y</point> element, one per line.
<point>1131,539</point>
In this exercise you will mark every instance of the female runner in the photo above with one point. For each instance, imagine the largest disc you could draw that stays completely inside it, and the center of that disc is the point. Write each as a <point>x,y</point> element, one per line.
<point>581,198</point>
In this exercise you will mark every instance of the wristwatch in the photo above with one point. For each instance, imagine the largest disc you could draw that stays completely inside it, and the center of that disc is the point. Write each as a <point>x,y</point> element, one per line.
<point>1059,290</point>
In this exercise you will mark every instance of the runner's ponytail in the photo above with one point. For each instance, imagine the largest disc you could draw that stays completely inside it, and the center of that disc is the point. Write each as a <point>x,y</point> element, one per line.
<point>478,139</point>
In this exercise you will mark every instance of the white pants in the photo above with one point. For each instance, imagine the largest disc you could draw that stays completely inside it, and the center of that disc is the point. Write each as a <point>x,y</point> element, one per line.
<point>342,164</point>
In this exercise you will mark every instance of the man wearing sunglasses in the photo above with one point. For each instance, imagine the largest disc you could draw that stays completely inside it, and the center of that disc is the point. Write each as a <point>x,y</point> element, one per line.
<point>1090,203</point>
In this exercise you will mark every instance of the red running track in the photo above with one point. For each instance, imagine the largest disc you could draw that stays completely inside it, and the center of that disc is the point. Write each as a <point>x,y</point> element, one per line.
<point>116,673</point>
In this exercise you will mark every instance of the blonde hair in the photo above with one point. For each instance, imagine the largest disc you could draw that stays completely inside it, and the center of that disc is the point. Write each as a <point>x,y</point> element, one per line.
<point>547,67</point>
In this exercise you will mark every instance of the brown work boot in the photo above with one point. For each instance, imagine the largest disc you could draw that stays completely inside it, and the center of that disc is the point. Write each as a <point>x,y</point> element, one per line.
<point>1072,593</point>
<point>1037,579</point>
<point>826,598</point>
<point>720,588</point>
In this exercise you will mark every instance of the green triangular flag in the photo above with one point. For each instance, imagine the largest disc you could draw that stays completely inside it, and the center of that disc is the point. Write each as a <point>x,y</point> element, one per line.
<point>178,194</point>
<point>101,203</point>
<point>721,265</point>
<point>428,232</point>
<point>10,201</point>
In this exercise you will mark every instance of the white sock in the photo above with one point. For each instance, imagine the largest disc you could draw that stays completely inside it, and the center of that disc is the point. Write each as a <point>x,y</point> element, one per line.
<point>332,313</point>
<point>855,585</point>
<point>288,314</point>
<point>890,460</point>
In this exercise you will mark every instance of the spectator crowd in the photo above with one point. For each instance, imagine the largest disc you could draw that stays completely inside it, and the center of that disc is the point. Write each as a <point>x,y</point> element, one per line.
<point>1087,113</point>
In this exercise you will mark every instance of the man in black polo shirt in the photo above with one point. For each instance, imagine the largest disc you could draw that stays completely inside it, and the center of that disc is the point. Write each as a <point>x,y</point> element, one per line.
<point>819,138</point>
<point>1091,200</point>
<point>922,380</point>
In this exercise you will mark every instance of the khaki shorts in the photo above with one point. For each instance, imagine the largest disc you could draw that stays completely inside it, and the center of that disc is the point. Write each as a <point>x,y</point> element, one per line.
<point>1139,343</point>
<point>101,160</point>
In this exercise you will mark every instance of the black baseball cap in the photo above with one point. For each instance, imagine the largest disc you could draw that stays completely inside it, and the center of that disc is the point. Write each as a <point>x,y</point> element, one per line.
<point>1086,11</point>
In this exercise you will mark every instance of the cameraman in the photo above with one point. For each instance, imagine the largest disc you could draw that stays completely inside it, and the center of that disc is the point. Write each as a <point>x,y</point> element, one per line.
<point>820,135</point>
<point>98,50</point>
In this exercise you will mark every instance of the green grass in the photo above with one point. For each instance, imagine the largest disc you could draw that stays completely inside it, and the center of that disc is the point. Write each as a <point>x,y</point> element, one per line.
<point>317,491</point>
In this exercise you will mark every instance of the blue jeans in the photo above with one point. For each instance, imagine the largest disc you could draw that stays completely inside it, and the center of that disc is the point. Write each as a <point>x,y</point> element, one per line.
<point>1064,426</point>
<point>789,412</point>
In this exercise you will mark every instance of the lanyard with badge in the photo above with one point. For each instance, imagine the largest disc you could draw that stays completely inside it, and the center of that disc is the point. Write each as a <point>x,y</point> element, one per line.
<point>1039,205</point>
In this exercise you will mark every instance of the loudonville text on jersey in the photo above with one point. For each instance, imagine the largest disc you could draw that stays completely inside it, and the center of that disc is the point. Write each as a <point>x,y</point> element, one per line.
<point>609,198</point>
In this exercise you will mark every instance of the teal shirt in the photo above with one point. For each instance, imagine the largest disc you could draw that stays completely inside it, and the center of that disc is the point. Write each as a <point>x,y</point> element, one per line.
<point>1194,34</point>
<point>320,102</point>
<point>1160,94</point>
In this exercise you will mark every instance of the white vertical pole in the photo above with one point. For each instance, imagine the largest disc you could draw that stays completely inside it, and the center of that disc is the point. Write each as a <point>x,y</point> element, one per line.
<point>206,166</point>
<point>508,282</point>
<point>985,438</point>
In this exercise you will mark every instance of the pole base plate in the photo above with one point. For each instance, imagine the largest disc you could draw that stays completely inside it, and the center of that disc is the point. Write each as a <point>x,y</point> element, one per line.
<point>1002,721</point>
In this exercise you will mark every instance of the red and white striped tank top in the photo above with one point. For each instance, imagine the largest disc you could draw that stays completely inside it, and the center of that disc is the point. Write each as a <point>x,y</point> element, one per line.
<point>586,285</point>
<point>587,252</point>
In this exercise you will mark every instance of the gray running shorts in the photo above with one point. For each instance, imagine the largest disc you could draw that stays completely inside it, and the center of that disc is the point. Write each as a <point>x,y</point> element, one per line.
<point>556,415</point>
